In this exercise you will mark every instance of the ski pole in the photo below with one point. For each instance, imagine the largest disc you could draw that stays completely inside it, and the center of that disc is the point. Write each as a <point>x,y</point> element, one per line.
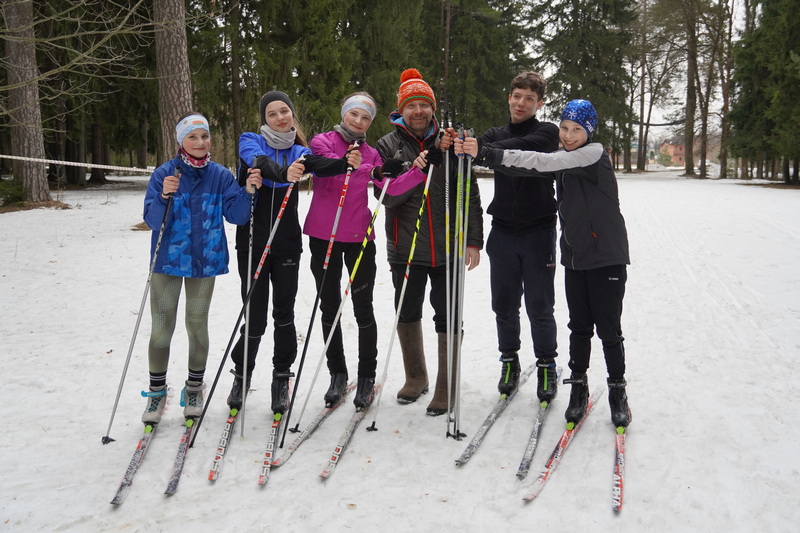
<point>256,275</point>
<point>452,351</point>
<point>448,274</point>
<point>317,297</point>
<point>372,427</point>
<point>461,277</point>
<point>246,366</point>
<point>107,438</point>
<point>341,307</point>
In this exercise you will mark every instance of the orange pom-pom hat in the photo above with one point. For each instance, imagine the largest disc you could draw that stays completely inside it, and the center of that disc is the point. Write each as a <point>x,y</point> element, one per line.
<point>412,86</point>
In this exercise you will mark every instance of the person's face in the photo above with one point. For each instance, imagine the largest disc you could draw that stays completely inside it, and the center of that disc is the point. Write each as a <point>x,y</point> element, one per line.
<point>523,104</point>
<point>417,115</point>
<point>279,116</point>
<point>197,143</point>
<point>572,135</point>
<point>357,120</point>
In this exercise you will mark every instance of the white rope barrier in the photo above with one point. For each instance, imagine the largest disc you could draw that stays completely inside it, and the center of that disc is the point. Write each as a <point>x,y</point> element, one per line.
<point>75,164</point>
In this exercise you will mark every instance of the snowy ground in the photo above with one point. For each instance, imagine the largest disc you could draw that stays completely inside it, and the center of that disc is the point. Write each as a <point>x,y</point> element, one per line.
<point>712,315</point>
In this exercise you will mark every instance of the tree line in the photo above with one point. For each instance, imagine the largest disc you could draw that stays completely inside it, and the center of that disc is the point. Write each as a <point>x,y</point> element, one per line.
<point>104,80</point>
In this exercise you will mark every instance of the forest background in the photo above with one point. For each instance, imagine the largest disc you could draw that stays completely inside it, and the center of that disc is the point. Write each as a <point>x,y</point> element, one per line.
<point>102,82</point>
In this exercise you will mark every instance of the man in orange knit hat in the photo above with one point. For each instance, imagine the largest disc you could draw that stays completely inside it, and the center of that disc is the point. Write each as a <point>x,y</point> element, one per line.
<point>415,138</point>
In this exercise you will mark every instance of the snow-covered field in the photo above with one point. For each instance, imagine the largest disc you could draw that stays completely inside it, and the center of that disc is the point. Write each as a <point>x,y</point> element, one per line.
<point>712,327</point>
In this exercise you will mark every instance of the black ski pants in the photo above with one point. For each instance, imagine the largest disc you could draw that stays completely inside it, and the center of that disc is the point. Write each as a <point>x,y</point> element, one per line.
<point>594,298</point>
<point>523,266</point>
<point>278,278</point>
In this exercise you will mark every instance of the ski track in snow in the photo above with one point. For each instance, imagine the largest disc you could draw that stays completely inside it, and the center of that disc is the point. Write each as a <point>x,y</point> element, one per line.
<point>711,319</point>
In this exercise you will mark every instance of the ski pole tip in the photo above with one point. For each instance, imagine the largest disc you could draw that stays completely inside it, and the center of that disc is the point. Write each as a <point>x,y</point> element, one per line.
<point>106,439</point>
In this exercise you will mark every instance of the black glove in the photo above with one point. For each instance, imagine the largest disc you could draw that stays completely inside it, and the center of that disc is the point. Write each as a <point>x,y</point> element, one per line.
<point>390,168</point>
<point>434,157</point>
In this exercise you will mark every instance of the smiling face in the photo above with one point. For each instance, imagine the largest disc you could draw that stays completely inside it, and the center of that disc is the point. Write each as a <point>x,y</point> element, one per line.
<point>417,115</point>
<point>357,120</point>
<point>279,116</point>
<point>572,135</point>
<point>197,143</point>
<point>523,104</point>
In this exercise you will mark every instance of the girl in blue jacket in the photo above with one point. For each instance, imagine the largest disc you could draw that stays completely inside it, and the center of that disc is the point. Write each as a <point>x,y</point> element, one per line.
<point>197,193</point>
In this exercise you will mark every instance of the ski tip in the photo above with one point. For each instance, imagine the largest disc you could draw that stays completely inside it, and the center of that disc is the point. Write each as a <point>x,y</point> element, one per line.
<point>620,430</point>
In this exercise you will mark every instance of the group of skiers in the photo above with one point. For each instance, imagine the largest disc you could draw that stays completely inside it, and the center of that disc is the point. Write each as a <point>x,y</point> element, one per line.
<point>413,171</point>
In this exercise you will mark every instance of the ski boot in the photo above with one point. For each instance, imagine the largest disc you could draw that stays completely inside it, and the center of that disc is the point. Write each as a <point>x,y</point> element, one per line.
<point>618,402</point>
<point>236,397</point>
<point>547,389</point>
<point>155,399</point>
<point>337,388</point>
<point>192,399</point>
<point>509,376</point>
<point>578,398</point>
<point>364,392</point>
<point>280,391</point>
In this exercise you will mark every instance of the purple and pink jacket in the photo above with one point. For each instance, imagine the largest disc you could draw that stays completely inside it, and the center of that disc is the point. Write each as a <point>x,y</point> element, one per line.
<point>356,214</point>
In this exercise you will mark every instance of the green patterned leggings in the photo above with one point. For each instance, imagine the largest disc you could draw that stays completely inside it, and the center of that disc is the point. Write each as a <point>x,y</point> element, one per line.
<point>165,293</point>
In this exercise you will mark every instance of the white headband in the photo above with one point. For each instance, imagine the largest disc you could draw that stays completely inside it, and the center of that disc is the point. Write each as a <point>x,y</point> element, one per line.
<point>359,101</point>
<point>187,124</point>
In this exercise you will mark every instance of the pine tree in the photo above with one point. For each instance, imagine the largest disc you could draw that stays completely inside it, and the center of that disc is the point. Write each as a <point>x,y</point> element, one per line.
<point>587,42</point>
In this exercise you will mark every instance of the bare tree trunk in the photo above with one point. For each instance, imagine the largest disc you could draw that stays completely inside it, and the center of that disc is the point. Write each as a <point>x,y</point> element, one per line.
<point>691,92</point>
<point>641,153</point>
<point>27,137</point>
<point>172,62</point>
<point>236,91</point>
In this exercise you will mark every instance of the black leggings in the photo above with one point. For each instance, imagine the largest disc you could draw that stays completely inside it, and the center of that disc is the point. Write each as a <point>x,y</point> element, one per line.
<point>330,297</point>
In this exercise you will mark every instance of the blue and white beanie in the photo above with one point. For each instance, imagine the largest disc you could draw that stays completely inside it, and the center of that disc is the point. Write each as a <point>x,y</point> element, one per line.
<point>582,112</point>
<point>189,123</point>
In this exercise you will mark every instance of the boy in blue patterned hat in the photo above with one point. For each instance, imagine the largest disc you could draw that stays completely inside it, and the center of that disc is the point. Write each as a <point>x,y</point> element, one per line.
<point>594,247</point>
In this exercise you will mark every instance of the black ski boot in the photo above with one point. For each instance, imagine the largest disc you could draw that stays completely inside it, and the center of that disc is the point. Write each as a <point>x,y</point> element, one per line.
<point>236,397</point>
<point>336,390</point>
<point>547,389</point>
<point>280,391</point>
<point>509,376</point>
<point>618,401</point>
<point>364,392</point>
<point>578,398</point>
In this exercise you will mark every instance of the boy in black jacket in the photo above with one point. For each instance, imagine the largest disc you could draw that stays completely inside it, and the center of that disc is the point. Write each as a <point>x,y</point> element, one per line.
<point>522,243</point>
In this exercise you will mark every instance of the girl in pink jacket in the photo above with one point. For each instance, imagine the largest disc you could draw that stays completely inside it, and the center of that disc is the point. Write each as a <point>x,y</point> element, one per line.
<point>358,111</point>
